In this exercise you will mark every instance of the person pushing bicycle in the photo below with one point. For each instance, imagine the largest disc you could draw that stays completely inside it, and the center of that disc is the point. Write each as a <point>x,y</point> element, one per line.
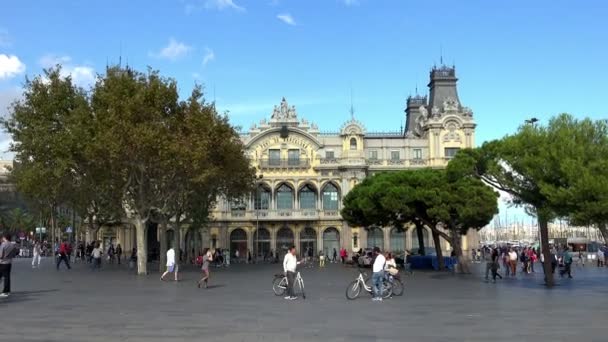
<point>290,262</point>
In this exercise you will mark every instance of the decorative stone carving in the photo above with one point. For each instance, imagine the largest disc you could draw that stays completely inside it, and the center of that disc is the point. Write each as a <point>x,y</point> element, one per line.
<point>452,135</point>
<point>435,112</point>
<point>423,112</point>
<point>284,112</point>
<point>466,111</point>
<point>450,105</point>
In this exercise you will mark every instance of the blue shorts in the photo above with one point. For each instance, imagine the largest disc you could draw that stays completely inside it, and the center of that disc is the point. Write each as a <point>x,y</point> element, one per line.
<point>170,268</point>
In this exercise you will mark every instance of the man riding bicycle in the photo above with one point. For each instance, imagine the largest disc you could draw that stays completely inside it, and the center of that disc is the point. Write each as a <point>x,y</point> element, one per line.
<point>290,262</point>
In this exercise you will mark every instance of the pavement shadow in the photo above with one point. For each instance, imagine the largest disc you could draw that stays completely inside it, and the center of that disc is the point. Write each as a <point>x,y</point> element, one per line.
<point>215,286</point>
<point>24,296</point>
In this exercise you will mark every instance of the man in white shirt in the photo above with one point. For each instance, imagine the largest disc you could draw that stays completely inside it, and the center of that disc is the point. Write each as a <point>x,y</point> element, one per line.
<point>171,266</point>
<point>290,262</point>
<point>378,274</point>
<point>513,261</point>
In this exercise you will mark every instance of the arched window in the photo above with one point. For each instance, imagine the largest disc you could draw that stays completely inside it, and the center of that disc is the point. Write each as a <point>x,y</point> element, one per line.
<point>308,242</point>
<point>238,242</point>
<point>353,144</point>
<point>330,197</point>
<point>261,198</point>
<point>375,238</point>
<point>397,240</point>
<point>308,198</point>
<point>284,197</point>
<point>331,241</point>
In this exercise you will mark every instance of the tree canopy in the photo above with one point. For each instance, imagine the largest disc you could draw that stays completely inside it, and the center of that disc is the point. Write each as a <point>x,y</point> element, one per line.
<point>433,197</point>
<point>557,170</point>
<point>127,150</point>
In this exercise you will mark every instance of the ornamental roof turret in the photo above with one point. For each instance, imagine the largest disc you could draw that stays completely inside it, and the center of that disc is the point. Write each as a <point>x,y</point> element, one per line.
<point>352,127</point>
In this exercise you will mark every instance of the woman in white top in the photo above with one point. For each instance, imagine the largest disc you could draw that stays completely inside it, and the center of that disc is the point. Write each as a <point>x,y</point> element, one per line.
<point>390,262</point>
<point>36,257</point>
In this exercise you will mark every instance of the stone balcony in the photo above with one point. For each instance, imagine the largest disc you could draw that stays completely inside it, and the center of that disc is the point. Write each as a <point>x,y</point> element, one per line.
<point>277,215</point>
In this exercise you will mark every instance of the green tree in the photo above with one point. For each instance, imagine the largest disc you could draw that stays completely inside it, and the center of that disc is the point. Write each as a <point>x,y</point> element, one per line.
<point>432,197</point>
<point>40,124</point>
<point>549,170</point>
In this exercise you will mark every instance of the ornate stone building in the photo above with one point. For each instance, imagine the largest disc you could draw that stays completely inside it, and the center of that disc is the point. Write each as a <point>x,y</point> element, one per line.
<point>304,174</point>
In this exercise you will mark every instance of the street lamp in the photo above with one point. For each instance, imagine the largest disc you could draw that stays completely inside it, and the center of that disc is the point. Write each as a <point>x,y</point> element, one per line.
<point>257,215</point>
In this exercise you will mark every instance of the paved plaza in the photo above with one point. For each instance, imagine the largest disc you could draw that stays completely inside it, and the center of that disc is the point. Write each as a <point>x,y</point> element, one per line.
<point>116,305</point>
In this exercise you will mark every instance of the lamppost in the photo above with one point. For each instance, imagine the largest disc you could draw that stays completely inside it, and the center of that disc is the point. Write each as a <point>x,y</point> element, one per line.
<point>257,207</point>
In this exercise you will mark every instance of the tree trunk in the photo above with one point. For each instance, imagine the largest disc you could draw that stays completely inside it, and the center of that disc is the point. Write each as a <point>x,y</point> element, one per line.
<point>142,245</point>
<point>53,229</point>
<point>178,238</point>
<point>419,233</point>
<point>439,252</point>
<point>462,265</point>
<point>163,245</point>
<point>604,231</point>
<point>543,226</point>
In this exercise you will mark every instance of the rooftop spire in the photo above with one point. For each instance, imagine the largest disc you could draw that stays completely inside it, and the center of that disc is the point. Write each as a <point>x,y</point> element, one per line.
<point>352,108</point>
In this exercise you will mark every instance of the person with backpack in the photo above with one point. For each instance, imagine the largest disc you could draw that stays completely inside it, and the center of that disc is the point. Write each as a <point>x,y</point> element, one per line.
<point>567,260</point>
<point>64,252</point>
<point>8,251</point>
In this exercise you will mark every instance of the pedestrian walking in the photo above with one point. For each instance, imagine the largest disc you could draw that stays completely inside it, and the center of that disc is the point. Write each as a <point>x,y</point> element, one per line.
<point>118,253</point>
<point>171,265</point>
<point>335,256</point>
<point>567,260</point>
<point>111,253</point>
<point>96,256</point>
<point>207,259</point>
<point>600,258</point>
<point>321,259</point>
<point>64,252</point>
<point>8,251</point>
<point>513,261</point>
<point>36,255</point>
<point>378,274</point>
<point>494,265</point>
<point>581,258</point>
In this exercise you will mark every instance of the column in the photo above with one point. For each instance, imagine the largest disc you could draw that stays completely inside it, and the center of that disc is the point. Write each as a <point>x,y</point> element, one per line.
<point>296,239</point>
<point>319,231</point>
<point>387,241</point>
<point>250,240</point>
<point>162,230</point>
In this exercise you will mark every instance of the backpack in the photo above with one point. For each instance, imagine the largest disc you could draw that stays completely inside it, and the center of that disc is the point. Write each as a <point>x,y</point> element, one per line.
<point>12,251</point>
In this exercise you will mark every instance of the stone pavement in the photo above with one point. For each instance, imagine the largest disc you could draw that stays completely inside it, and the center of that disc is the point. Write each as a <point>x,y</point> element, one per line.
<point>116,305</point>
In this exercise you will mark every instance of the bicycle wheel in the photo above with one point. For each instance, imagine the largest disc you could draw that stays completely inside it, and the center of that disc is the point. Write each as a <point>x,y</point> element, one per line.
<point>353,290</point>
<point>279,285</point>
<point>397,287</point>
<point>302,289</point>
<point>387,289</point>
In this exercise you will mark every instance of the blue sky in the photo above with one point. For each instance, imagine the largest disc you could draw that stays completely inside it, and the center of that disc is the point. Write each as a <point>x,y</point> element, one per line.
<point>515,59</point>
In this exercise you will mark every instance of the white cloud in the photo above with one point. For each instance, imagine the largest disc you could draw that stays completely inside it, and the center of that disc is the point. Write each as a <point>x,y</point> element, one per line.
<point>222,5</point>
<point>7,97</point>
<point>350,2</point>
<point>173,51</point>
<point>82,75</point>
<point>5,39</point>
<point>287,19</point>
<point>10,66</point>
<point>209,56</point>
<point>49,60</point>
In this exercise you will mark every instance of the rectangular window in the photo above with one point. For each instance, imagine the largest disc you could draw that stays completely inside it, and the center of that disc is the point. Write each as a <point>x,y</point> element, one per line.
<point>395,155</point>
<point>373,155</point>
<point>329,154</point>
<point>293,157</point>
<point>308,200</point>
<point>417,153</point>
<point>284,200</point>
<point>274,157</point>
<point>450,152</point>
<point>262,201</point>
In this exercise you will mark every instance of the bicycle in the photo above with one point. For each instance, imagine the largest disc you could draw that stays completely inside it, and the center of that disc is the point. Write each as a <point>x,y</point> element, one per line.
<point>396,284</point>
<point>279,284</point>
<point>354,289</point>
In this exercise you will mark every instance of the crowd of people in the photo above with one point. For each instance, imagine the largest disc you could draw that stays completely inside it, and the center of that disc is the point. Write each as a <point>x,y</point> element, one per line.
<point>524,259</point>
